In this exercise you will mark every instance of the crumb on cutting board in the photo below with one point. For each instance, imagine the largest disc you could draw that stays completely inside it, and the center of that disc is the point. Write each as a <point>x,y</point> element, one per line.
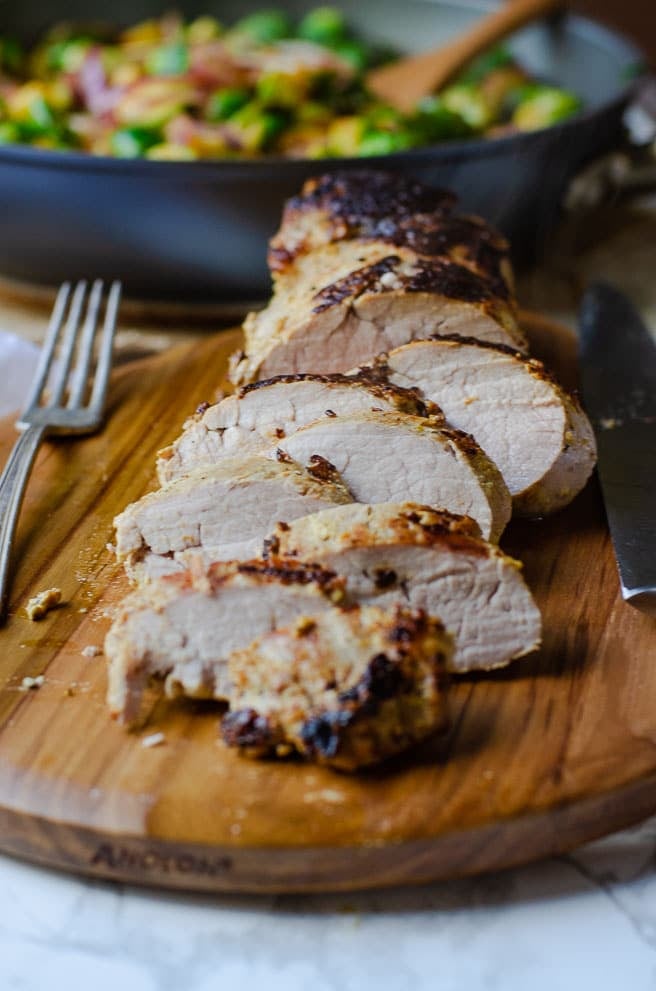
<point>31,684</point>
<point>153,740</point>
<point>91,651</point>
<point>42,603</point>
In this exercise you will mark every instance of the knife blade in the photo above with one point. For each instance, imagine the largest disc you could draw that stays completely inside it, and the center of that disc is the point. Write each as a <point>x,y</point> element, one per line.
<point>618,383</point>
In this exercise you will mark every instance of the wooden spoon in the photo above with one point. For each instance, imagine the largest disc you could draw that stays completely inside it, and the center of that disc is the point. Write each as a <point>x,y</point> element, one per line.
<point>401,84</point>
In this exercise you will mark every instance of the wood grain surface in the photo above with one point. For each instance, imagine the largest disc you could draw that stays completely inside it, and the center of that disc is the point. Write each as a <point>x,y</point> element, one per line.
<point>556,750</point>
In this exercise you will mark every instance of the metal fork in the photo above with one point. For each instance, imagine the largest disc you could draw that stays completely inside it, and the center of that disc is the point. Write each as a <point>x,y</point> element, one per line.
<point>63,408</point>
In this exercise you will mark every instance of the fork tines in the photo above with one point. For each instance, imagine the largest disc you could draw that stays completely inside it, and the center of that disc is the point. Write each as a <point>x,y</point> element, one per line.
<point>63,376</point>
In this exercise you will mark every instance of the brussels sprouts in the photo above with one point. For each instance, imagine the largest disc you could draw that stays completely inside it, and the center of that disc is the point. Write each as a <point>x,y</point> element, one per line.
<point>345,135</point>
<point>324,26</point>
<point>166,152</point>
<point>67,56</point>
<point>385,142</point>
<point>433,121</point>
<point>469,103</point>
<point>223,103</point>
<point>10,133</point>
<point>169,60</point>
<point>133,142</point>
<point>279,89</point>
<point>256,127</point>
<point>203,29</point>
<point>353,52</point>
<point>265,26</point>
<point>545,106</point>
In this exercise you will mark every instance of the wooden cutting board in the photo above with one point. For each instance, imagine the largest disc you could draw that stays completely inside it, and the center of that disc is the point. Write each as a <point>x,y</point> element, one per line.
<point>556,750</point>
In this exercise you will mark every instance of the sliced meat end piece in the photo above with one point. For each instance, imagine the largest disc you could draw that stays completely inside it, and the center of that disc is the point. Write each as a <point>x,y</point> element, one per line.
<point>229,507</point>
<point>392,457</point>
<point>364,208</point>
<point>406,554</point>
<point>262,414</point>
<point>181,629</point>
<point>347,688</point>
<point>342,205</point>
<point>372,309</point>
<point>537,434</point>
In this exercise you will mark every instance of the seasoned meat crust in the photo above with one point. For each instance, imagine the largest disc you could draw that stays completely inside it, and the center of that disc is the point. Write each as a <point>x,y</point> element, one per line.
<point>260,415</point>
<point>181,629</point>
<point>409,554</point>
<point>229,506</point>
<point>537,434</point>
<point>381,207</point>
<point>362,203</point>
<point>347,688</point>
<point>350,302</point>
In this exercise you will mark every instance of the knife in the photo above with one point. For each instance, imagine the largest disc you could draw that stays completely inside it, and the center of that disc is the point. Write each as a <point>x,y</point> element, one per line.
<point>618,380</point>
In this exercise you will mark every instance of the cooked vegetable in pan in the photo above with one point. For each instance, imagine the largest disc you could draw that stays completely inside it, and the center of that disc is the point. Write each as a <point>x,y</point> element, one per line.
<point>170,89</point>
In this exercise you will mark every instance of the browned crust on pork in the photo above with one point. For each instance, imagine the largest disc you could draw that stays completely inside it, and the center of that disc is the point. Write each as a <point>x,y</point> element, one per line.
<point>435,276</point>
<point>406,400</point>
<point>355,719</point>
<point>377,206</point>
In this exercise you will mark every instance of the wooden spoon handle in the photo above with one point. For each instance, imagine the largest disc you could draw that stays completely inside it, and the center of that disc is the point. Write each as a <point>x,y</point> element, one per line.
<point>404,82</point>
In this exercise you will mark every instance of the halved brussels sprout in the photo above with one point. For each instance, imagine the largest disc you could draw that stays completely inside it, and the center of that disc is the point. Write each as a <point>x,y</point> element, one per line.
<point>265,26</point>
<point>323,26</point>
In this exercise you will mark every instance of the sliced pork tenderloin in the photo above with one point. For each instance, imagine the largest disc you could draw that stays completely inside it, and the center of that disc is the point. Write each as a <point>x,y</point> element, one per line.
<point>181,629</point>
<point>393,457</point>
<point>396,213</point>
<point>413,555</point>
<point>343,206</point>
<point>262,414</point>
<point>347,688</point>
<point>537,434</point>
<point>228,507</point>
<point>333,326</point>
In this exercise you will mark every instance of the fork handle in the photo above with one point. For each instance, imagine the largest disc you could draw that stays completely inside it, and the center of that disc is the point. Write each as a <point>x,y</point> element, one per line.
<point>12,488</point>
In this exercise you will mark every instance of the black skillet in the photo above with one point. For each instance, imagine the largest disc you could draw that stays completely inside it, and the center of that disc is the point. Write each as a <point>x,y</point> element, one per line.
<point>198,230</point>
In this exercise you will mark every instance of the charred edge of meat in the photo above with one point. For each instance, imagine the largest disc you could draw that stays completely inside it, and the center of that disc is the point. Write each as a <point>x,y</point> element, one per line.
<point>384,578</point>
<point>367,377</point>
<point>382,680</point>
<point>321,734</point>
<point>443,524</point>
<point>295,573</point>
<point>283,457</point>
<point>246,728</point>
<point>441,277</point>
<point>464,441</point>
<point>321,469</point>
<point>365,197</point>
<point>270,547</point>
<point>355,283</point>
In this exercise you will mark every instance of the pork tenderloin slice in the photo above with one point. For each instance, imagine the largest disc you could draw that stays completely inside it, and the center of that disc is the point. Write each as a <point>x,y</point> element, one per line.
<point>537,434</point>
<point>358,203</point>
<point>371,309</point>
<point>230,506</point>
<point>393,457</point>
<point>362,207</point>
<point>410,554</point>
<point>262,414</point>
<point>182,628</point>
<point>347,688</point>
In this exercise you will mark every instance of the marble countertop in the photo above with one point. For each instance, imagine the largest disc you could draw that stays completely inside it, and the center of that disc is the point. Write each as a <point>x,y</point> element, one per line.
<point>586,920</point>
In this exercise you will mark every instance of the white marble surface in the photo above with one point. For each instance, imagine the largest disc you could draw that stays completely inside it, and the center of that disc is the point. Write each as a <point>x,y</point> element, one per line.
<point>585,921</point>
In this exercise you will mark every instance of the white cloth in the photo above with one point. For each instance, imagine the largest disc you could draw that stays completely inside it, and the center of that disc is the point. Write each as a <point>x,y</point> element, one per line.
<point>18,360</point>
